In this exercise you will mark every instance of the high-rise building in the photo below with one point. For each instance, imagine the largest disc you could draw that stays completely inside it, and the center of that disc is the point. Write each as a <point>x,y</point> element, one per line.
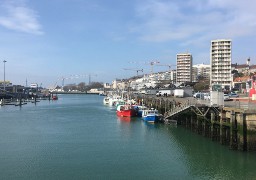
<point>184,68</point>
<point>221,63</point>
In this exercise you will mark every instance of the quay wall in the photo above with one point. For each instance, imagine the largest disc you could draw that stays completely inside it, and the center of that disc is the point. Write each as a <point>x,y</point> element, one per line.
<point>230,126</point>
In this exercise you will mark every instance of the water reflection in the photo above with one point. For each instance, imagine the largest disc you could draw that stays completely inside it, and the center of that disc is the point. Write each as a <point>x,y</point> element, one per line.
<point>150,124</point>
<point>216,161</point>
<point>124,119</point>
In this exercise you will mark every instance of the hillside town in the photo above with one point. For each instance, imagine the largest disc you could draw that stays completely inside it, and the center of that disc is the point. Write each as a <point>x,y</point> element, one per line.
<point>221,74</point>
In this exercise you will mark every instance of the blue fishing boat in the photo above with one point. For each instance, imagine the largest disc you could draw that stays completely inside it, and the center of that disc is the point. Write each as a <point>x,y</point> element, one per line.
<point>140,110</point>
<point>151,115</point>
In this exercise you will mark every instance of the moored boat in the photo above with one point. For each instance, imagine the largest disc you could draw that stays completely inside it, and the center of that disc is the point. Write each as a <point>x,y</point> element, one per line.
<point>140,110</point>
<point>126,111</point>
<point>114,100</point>
<point>151,115</point>
<point>106,100</point>
<point>54,97</point>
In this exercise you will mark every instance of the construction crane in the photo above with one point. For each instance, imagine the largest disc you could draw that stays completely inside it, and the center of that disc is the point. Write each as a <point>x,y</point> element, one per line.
<point>151,63</point>
<point>84,75</point>
<point>137,70</point>
<point>74,77</point>
<point>168,65</point>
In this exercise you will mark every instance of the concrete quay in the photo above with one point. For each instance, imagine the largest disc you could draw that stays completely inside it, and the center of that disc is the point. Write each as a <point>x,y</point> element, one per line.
<point>233,124</point>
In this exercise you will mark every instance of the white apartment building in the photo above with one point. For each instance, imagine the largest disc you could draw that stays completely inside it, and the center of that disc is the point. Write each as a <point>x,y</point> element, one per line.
<point>201,71</point>
<point>184,68</point>
<point>119,84</point>
<point>173,76</point>
<point>220,61</point>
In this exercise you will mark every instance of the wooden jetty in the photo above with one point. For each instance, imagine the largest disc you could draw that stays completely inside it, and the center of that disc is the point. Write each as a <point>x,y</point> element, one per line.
<point>230,126</point>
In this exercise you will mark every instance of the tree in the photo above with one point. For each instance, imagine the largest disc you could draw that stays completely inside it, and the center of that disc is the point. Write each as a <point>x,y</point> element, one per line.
<point>81,86</point>
<point>201,86</point>
<point>96,85</point>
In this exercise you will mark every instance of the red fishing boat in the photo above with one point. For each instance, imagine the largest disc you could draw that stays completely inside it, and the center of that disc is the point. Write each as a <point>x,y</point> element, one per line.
<point>126,111</point>
<point>54,97</point>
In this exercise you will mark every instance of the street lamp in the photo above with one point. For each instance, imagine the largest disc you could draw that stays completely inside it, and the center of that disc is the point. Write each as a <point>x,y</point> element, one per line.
<point>4,74</point>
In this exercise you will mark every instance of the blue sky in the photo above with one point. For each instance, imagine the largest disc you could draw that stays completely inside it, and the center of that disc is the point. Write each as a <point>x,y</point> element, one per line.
<point>45,40</point>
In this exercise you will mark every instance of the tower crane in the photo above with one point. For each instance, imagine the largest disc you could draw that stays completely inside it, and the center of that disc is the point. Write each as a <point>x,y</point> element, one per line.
<point>137,70</point>
<point>151,63</point>
<point>74,77</point>
<point>84,75</point>
<point>168,65</point>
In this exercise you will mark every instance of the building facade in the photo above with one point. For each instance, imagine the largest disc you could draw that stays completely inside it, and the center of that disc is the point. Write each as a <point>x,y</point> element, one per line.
<point>201,71</point>
<point>220,61</point>
<point>184,68</point>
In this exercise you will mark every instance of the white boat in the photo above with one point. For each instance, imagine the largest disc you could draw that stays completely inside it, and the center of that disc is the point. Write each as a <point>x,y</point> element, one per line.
<point>113,101</point>
<point>106,100</point>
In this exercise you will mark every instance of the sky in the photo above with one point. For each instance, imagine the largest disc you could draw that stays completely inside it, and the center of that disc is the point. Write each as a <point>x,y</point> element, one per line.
<point>45,41</point>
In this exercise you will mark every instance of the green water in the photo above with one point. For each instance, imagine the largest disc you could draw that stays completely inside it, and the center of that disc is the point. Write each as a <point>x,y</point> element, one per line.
<point>77,137</point>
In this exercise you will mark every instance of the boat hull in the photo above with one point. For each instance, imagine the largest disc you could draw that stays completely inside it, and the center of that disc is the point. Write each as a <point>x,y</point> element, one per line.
<point>151,115</point>
<point>126,113</point>
<point>151,118</point>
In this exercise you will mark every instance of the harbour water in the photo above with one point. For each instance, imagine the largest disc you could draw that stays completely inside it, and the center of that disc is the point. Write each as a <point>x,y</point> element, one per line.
<point>77,137</point>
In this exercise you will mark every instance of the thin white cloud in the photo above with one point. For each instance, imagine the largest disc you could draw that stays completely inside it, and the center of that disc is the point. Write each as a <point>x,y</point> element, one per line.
<point>161,21</point>
<point>15,15</point>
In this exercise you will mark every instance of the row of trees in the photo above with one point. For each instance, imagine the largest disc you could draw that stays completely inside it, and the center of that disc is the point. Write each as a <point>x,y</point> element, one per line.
<point>82,87</point>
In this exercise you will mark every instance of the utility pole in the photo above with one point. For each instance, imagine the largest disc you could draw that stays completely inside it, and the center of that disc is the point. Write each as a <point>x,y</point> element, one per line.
<point>4,73</point>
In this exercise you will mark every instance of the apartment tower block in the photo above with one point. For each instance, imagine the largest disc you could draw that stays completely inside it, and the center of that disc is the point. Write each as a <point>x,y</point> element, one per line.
<point>184,68</point>
<point>220,61</point>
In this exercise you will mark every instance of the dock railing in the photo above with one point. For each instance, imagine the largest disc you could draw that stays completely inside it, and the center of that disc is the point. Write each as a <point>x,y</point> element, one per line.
<point>184,105</point>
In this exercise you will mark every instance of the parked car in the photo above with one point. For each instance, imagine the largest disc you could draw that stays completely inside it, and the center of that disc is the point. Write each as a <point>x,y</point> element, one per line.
<point>198,95</point>
<point>226,97</point>
<point>233,94</point>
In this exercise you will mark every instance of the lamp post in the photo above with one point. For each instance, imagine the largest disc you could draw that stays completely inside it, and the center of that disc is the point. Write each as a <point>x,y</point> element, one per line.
<point>4,74</point>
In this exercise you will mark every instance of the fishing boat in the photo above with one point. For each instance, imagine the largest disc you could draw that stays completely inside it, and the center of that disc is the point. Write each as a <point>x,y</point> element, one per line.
<point>126,111</point>
<point>54,97</point>
<point>106,100</point>
<point>140,109</point>
<point>114,100</point>
<point>151,115</point>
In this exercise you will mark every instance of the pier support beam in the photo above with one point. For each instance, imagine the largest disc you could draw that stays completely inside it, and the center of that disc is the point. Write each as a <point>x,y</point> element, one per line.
<point>242,133</point>
<point>233,131</point>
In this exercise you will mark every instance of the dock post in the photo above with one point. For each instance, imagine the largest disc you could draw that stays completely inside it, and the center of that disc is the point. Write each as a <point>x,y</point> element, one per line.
<point>212,133</point>
<point>222,131</point>
<point>20,101</point>
<point>187,122</point>
<point>243,132</point>
<point>233,131</point>
<point>205,128</point>
<point>191,123</point>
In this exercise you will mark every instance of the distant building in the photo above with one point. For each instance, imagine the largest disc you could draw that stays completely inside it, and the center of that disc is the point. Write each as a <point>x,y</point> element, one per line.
<point>184,68</point>
<point>34,85</point>
<point>7,83</point>
<point>115,83</point>
<point>201,71</point>
<point>241,68</point>
<point>173,76</point>
<point>120,84</point>
<point>107,85</point>
<point>246,69</point>
<point>252,69</point>
<point>220,61</point>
